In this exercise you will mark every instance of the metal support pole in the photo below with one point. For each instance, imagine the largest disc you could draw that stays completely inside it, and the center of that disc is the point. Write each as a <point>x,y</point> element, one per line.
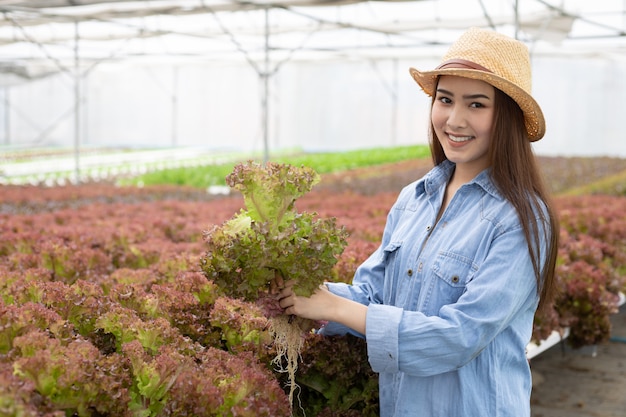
<point>7,116</point>
<point>175,107</point>
<point>76,104</point>
<point>265,75</point>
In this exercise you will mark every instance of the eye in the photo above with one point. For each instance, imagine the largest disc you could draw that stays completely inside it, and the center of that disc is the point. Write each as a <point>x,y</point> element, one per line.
<point>476,105</point>
<point>444,99</point>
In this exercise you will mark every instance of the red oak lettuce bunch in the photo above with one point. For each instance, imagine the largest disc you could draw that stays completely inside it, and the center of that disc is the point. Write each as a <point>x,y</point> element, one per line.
<point>269,237</point>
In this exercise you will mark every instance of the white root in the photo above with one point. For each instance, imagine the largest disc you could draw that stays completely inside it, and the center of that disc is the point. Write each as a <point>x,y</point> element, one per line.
<point>289,341</point>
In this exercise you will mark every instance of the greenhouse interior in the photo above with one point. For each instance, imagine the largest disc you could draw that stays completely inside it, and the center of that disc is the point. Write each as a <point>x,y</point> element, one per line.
<point>131,132</point>
<point>217,76</point>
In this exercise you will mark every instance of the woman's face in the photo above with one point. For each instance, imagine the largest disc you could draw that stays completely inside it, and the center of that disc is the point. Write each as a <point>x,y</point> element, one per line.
<point>462,116</point>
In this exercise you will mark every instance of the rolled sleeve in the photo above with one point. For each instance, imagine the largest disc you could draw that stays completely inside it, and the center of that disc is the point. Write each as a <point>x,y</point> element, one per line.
<point>382,323</point>
<point>341,289</point>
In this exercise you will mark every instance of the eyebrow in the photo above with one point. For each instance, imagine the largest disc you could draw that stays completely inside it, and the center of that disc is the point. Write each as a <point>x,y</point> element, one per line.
<point>468,96</point>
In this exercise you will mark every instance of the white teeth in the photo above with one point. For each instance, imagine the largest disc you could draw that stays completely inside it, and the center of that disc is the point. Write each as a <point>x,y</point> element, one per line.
<point>460,138</point>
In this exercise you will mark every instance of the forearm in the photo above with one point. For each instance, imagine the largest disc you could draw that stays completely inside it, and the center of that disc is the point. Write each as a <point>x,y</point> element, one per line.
<point>349,313</point>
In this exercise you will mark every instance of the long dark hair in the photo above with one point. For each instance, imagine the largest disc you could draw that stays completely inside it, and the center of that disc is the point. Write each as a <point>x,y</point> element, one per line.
<point>514,170</point>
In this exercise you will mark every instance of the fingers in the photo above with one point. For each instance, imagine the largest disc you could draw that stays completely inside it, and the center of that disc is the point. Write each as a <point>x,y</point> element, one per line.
<point>278,279</point>
<point>274,287</point>
<point>286,292</point>
<point>286,297</point>
<point>277,283</point>
<point>300,306</point>
<point>286,302</point>
<point>313,307</point>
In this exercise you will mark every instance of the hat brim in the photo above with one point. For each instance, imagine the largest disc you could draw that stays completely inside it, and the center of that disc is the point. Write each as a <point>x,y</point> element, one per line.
<point>533,116</point>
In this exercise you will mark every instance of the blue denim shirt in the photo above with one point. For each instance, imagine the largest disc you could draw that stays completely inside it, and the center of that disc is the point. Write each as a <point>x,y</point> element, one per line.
<point>451,304</point>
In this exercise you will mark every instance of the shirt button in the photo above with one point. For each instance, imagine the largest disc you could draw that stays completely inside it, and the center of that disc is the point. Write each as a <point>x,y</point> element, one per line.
<point>419,267</point>
<point>455,279</point>
<point>409,272</point>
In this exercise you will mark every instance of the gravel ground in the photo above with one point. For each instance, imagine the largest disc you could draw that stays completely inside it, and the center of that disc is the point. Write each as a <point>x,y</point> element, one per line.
<point>575,383</point>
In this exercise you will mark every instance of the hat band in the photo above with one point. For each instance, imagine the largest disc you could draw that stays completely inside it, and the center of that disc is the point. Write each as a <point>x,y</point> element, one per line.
<point>462,63</point>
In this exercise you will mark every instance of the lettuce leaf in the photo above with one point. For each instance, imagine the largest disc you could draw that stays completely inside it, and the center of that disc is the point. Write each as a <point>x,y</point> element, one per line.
<point>270,236</point>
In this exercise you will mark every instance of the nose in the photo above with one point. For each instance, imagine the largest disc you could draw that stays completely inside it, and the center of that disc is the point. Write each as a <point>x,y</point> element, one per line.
<point>456,117</point>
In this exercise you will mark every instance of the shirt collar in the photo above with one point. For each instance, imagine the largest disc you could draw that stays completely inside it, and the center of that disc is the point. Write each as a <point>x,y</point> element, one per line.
<point>440,174</point>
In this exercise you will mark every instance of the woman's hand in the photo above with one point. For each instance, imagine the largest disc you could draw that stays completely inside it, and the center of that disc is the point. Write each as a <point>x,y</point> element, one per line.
<point>323,305</point>
<point>318,306</point>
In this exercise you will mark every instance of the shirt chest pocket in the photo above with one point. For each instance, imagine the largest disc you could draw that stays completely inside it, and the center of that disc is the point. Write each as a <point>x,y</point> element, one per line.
<point>392,284</point>
<point>451,274</point>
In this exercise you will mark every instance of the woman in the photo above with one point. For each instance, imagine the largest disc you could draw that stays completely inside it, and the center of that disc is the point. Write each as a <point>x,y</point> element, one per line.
<point>447,302</point>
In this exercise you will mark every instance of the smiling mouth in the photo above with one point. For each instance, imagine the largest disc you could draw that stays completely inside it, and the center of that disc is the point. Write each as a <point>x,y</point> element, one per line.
<point>459,139</point>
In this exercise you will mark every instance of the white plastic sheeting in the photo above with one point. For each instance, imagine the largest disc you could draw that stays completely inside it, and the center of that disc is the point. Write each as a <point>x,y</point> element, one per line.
<point>184,73</point>
<point>328,105</point>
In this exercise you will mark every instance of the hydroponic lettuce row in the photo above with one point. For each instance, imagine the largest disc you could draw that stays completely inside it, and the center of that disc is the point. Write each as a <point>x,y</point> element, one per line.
<point>118,270</point>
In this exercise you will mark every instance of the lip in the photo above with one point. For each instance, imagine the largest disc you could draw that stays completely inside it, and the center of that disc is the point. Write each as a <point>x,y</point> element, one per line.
<point>455,135</point>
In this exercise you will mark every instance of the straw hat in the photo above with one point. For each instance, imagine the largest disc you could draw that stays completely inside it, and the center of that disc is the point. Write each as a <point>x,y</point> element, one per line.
<point>496,59</point>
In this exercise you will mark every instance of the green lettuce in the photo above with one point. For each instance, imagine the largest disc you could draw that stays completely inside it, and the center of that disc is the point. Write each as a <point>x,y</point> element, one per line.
<point>271,237</point>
